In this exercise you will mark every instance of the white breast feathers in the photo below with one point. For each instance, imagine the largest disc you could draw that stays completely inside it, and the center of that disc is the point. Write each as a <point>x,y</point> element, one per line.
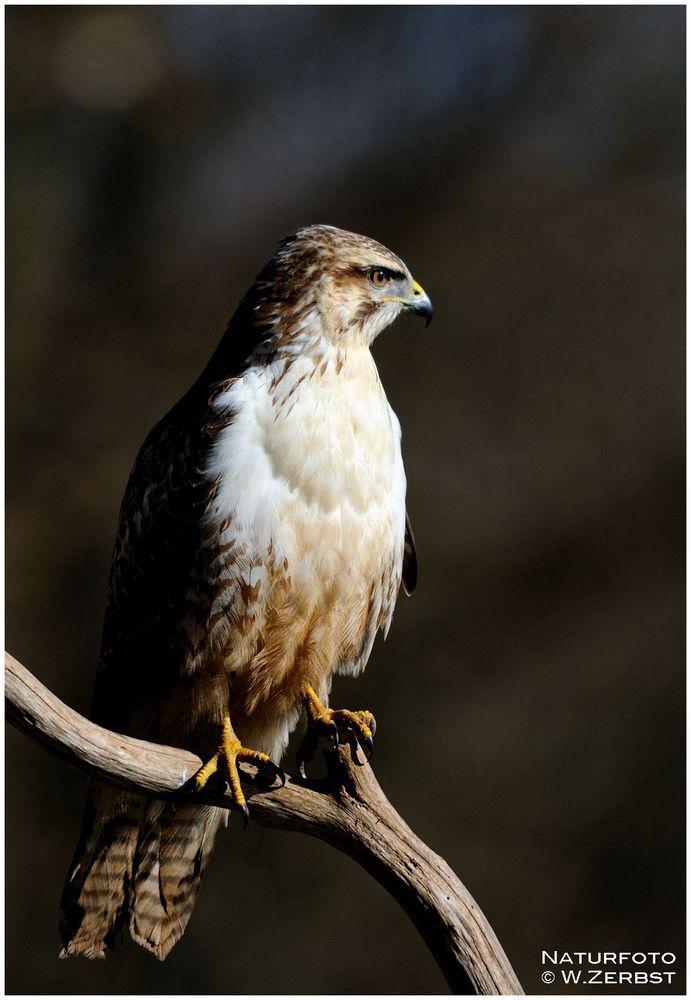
<point>310,510</point>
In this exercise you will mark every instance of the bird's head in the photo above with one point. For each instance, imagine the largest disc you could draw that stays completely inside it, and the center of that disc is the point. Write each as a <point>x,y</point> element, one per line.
<point>351,285</point>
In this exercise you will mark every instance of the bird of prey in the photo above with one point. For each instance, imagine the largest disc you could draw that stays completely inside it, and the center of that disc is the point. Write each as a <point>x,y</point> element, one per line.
<point>261,544</point>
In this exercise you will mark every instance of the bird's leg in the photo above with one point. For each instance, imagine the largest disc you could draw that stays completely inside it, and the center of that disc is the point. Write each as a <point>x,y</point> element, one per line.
<point>340,724</point>
<point>226,759</point>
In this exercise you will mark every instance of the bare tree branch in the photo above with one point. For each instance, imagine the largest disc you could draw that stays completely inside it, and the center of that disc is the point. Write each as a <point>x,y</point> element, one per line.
<point>347,809</point>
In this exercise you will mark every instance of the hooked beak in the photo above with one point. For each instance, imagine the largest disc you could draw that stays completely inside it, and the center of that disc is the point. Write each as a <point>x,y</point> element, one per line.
<point>420,304</point>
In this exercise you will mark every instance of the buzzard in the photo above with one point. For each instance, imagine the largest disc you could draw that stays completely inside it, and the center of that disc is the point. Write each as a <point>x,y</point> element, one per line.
<point>261,544</point>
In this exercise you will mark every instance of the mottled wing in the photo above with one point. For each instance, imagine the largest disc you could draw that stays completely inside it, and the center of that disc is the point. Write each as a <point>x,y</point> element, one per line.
<point>138,859</point>
<point>409,558</point>
<point>158,536</point>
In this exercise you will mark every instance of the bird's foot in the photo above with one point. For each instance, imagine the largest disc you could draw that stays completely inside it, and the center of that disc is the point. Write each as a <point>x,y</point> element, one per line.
<point>340,724</point>
<point>225,761</point>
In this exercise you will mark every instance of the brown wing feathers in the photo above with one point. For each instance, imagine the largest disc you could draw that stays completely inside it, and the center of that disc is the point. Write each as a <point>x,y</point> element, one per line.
<point>137,859</point>
<point>409,558</point>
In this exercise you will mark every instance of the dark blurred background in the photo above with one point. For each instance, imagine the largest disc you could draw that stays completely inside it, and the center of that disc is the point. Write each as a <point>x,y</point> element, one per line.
<point>528,164</point>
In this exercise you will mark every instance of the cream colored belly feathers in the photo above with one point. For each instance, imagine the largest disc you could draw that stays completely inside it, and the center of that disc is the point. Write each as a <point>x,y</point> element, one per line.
<point>310,493</point>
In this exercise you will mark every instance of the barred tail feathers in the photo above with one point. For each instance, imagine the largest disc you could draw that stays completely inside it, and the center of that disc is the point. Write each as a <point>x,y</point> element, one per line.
<point>94,900</point>
<point>136,860</point>
<point>173,852</point>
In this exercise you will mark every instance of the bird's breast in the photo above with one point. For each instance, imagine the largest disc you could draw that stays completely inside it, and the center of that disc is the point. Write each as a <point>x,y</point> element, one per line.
<point>315,432</point>
<point>309,506</point>
<point>303,540</point>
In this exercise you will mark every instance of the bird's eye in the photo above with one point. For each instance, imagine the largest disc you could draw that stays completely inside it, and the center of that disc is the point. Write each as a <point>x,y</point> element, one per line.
<point>378,277</point>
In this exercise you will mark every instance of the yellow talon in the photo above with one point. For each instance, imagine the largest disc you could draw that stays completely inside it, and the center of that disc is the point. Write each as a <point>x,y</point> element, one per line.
<point>205,772</point>
<point>353,727</point>
<point>226,759</point>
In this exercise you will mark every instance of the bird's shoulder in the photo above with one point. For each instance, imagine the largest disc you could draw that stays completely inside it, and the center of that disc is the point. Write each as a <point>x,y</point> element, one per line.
<point>161,510</point>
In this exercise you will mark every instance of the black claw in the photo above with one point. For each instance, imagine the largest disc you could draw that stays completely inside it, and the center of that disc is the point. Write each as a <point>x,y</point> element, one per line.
<point>278,771</point>
<point>336,736</point>
<point>358,739</point>
<point>302,757</point>
<point>353,744</point>
<point>367,745</point>
<point>245,815</point>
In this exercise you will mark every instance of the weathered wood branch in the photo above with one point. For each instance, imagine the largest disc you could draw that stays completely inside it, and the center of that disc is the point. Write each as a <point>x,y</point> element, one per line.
<point>347,809</point>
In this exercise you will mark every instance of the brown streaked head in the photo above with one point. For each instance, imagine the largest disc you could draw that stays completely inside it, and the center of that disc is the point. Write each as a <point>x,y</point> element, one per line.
<point>351,284</point>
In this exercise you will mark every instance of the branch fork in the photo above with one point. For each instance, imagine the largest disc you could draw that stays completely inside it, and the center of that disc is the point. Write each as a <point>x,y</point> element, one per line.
<point>347,809</point>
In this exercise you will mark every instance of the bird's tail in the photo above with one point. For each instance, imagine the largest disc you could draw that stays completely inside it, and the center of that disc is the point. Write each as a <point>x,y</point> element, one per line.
<point>138,862</point>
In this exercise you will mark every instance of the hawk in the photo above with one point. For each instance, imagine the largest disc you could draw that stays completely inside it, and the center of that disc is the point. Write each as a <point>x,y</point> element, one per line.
<point>261,544</point>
